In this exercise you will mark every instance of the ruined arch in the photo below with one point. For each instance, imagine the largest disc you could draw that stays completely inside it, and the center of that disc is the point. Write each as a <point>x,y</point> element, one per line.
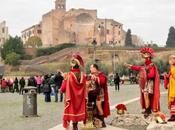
<point>84,18</point>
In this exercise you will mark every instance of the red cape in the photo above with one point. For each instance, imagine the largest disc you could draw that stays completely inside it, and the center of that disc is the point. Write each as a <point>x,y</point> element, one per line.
<point>75,99</point>
<point>155,103</point>
<point>103,83</point>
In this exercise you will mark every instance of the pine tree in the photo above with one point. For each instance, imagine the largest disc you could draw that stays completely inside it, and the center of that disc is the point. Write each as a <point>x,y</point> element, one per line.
<point>171,37</point>
<point>128,39</point>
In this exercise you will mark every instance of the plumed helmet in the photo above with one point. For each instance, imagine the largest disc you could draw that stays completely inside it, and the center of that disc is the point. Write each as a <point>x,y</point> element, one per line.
<point>160,117</point>
<point>77,59</point>
<point>148,50</point>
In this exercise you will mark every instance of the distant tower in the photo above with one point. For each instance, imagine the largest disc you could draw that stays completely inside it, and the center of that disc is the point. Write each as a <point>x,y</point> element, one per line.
<point>60,4</point>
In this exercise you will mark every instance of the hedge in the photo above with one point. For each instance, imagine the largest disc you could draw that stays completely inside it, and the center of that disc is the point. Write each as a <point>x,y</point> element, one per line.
<point>51,50</point>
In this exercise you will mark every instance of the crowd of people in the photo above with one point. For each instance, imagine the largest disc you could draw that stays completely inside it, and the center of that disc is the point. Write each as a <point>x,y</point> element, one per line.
<point>48,84</point>
<point>10,85</point>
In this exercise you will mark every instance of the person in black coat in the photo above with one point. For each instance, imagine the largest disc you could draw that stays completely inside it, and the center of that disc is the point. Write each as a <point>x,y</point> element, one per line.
<point>117,81</point>
<point>22,84</point>
<point>32,81</point>
<point>16,85</point>
<point>58,81</point>
<point>47,88</point>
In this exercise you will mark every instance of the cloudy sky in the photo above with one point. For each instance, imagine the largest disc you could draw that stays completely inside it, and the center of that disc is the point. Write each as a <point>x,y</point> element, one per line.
<point>150,19</point>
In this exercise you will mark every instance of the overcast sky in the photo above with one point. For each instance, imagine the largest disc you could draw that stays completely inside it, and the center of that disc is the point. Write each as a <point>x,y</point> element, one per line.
<point>150,19</point>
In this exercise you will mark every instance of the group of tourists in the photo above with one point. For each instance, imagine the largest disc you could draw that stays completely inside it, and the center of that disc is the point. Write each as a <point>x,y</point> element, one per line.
<point>10,85</point>
<point>84,93</point>
<point>48,84</point>
<point>51,85</point>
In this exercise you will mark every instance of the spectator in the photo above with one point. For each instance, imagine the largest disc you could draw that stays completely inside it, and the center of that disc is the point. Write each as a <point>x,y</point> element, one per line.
<point>16,87</point>
<point>22,84</point>
<point>117,81</point>
<point>3,85</point>
<point>38,80</point>
<point>58,81</point>
<point>10,85</point>
<point>47,88</point>
<point>32,81</point>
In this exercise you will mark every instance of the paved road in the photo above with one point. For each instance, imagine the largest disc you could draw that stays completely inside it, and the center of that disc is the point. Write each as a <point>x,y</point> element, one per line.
<point>59,127</point>
<point>50,114</point>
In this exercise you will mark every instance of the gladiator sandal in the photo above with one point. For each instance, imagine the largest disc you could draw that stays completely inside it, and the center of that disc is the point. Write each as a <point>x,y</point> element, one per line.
<point>101,117</point>
<point>75,126</point>
<point>147,112</point>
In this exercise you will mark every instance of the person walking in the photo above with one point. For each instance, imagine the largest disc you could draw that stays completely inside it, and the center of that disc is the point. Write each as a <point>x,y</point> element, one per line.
<point>117,81</point>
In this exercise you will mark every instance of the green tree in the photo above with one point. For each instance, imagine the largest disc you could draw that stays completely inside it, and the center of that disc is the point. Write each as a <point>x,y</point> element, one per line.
<point>171,37</point>
<point>12,59</point>
<point>34,41</point>
<point>128,39</point>
<point>162,65</point>
<point>122,70</point>
<point>12,45</point>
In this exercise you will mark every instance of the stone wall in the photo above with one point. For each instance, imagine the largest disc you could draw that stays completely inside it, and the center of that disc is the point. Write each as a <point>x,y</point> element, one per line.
<point>79,26</point>
<point>3,32</point>
<point>51,26</point>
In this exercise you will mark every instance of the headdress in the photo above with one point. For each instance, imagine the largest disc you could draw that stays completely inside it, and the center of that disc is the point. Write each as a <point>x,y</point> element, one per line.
<point>77,59</point>
<point>147,50</point>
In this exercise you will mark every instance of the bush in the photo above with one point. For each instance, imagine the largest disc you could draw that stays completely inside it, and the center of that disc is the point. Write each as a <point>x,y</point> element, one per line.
<point>51,50</point>
<point>12,59</point>
<point>27,57</point>
<point>162,65</point>
<point>122,70</point>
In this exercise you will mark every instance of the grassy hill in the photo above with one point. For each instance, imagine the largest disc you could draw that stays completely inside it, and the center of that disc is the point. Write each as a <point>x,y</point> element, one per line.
<point>60,60</point>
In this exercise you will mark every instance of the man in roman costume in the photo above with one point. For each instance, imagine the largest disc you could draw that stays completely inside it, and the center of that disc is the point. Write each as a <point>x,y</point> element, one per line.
<point>74,87</point>
<point>99,95</point>
<point>149,82</point>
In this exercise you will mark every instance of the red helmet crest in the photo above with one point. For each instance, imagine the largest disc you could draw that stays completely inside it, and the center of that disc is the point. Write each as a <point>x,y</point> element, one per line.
<point>78,59</point>
<point>148,50</point>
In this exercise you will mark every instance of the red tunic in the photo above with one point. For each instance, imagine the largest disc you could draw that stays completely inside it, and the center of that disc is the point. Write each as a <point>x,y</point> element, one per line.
<point>152,73</point>
<point>102,80</point>
<point>75,98</point>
